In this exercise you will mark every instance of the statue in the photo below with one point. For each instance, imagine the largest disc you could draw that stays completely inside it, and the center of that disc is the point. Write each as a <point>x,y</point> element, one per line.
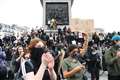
<point>53,24</point>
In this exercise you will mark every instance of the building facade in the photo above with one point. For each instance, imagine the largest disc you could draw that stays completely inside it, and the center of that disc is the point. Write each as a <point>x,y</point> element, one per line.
<point>8,30</point>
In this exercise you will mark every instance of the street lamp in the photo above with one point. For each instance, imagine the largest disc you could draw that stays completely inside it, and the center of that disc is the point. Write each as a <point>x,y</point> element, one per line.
<point>71,2</point>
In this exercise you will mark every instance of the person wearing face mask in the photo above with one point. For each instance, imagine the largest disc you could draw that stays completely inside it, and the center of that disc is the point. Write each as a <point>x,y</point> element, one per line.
<point>41,63</point>
<point>112,59</point>
<point>93,61</point>
<point>15,62</point>
<point>72,68</point>
<point>3,66</point>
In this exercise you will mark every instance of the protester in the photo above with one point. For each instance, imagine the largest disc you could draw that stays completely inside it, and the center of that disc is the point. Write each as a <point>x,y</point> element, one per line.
<point>3,68</point>
<point>16,59</point>
<point>93,61</point>
<point>112,59</point>
<point>96,38</point>
<point>72,68</point>
<point>42,63</point>
<point>34,57</point>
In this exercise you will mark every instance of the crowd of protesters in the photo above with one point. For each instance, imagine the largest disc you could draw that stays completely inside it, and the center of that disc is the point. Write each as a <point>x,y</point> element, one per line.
<point>61,55</point>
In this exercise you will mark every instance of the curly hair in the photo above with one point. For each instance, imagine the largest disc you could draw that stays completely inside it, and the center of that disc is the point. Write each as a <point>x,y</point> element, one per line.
<point>34,41</point>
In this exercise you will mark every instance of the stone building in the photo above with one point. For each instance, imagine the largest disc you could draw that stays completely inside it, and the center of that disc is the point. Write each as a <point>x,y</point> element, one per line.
<point>82,25</point>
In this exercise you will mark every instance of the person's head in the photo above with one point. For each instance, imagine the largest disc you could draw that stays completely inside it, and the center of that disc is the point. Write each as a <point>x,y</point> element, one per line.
<point>73,50</point>
<point>116,40</point>
<point>36,42</point>
<point>19,49</point>
<point>27,53</point>
<point>36,48</point>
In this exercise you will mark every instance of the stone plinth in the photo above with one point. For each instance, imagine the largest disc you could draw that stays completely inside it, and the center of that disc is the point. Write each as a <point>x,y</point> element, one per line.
<point>48,13</point>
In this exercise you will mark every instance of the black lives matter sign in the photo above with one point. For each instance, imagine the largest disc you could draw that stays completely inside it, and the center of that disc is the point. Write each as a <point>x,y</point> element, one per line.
<point>58,11</point>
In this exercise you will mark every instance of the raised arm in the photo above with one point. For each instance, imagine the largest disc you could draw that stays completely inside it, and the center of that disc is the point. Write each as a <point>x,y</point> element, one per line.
<point>39,75</point>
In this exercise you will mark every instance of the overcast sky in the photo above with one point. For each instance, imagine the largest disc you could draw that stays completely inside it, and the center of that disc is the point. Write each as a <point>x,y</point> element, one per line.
<point>106,13</point>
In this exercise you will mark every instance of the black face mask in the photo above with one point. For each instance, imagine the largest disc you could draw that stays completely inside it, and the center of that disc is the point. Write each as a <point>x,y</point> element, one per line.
<point>36,54</point>
<point>74,55</point>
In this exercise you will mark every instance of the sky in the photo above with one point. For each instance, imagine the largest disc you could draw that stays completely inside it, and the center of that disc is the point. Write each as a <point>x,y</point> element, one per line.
<point>105,13</point>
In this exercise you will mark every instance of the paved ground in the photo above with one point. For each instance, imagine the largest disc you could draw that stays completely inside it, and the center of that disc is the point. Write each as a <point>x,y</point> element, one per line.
<point>103,76</point>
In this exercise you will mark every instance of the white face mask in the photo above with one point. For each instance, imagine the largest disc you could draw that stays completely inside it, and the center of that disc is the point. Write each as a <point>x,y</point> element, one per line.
<point>118,44</point>
<point>94,52</point>
<point>51,38</point>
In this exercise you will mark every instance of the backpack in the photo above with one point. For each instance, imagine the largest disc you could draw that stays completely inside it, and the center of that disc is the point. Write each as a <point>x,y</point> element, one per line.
<point>18,76</point>
<point>21,72</point>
